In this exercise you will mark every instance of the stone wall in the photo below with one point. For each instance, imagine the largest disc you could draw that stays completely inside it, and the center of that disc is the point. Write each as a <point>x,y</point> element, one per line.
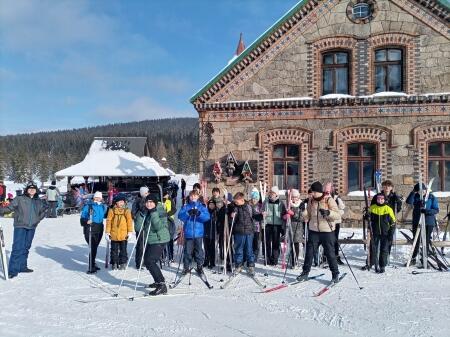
<point>295,71</point>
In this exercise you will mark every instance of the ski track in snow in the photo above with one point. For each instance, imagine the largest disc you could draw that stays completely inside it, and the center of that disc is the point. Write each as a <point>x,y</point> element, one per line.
<point>43,303</point>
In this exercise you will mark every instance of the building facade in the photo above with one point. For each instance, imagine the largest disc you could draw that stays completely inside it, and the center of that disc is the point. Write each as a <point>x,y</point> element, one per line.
<point>333,91</point>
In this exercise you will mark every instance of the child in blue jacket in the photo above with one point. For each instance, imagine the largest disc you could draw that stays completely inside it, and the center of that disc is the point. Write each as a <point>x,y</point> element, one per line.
<point>193,214</point>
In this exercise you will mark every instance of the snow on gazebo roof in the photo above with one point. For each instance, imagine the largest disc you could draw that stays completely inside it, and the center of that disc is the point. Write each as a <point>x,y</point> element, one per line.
<point>102,161</point>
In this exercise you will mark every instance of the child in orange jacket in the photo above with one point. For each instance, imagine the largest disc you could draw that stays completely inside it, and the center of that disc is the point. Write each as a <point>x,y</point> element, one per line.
<point>119,227</point>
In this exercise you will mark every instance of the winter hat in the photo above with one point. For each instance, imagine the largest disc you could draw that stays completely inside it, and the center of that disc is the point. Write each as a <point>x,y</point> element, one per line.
<point>254,194</point>
<point>295,193</point>
<point>10,196</point>
<point>151,197</point>
<point>275,190</point>
<point>98,194</point>
<point>380,195</point>
<point>31,185</point>
<point>316,187</point>
<point>119,197</point>
<point>417,187</point>
<point>143,190</point>
<point>53,182</point>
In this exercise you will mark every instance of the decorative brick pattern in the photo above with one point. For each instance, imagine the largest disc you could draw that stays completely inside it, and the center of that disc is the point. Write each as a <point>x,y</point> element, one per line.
<point>423,135</point>
<point>282,112</point>
<point>268,138</point>
<point>343,43</point>
<point>378,135</point>
<point>410,47</point>
<point>425,16</point>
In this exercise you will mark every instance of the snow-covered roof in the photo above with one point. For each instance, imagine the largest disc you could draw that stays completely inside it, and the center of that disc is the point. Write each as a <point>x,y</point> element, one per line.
<point>102,162</point>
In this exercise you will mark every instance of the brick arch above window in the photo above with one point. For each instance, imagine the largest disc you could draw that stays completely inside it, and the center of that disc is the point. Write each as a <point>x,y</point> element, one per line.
<point>359,134</point>
<point>409,44</point>
<point>423,135</point>
<point>298,136</point>
<point>317,48</point>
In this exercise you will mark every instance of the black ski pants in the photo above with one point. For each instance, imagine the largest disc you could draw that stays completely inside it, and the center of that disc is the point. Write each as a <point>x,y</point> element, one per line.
<point>119,253</point>
<point>380,250</point>
<point>151,259</point>
<point>326,239</point>
<point>139,249</point>
<point>193,250</point>
<point>95,231</point>
<point>273,235</point>
<point>336,236</point>
<point>210,252</point>
<point>256,239</point>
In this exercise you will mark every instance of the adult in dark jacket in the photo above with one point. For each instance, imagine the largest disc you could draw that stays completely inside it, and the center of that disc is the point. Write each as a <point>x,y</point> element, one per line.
<point>382,218</point>
<point>139,206</point>
<point>28,210</point>
<point>183,188</point>
<point>274,211</point>
<point>91,218</point>
<point>212,226</point>
<point>243,230</point>
<point>156,236</point>
<point>193,215</point>
<point>429,209</point>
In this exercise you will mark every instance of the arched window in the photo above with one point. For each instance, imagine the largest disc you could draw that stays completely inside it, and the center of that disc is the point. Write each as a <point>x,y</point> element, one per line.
<point>389,70</point>
<point>439,165</point>
<point>335,74</point>
<point>361,165</point>
<point>286,166</point>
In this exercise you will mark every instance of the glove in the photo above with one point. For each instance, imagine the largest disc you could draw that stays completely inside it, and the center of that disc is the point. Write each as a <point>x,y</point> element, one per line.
<point>302,207</point>
<point>290,212</point>
<point>108,237</point>
<point>423,210</point>
<point>193,212</point>
<point>129,235</point>
<point>324,212</point>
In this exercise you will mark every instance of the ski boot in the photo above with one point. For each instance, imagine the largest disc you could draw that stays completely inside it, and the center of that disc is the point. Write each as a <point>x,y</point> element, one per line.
<point>199,270</point>
<point>335,278</point>
<point>152,285</point>
<point>114,266</point>
<point>339,261</point>
<point>122,266</point>
<point>26,270</point>
<point>238,269</point>
<point>303,276</point>
<point>185,271</point>
<point>161,289</point>
<point>251,271</point>
<point>382,270</point>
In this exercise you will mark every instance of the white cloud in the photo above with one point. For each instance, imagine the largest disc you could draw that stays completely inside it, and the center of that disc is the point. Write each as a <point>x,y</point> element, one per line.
<point>30,26</point>
<point>139,109</point>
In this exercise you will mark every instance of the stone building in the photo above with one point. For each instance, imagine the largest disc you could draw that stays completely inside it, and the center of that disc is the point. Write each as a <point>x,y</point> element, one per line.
<point>333,91</point>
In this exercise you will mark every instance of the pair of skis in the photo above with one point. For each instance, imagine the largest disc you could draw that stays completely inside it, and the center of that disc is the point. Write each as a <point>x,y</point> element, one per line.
<point>3,253</point>
<point>319,293</point>
<point>236,274</point>
<point>202,277</point>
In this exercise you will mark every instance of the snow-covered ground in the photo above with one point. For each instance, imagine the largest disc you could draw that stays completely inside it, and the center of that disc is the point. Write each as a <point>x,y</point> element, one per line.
<point>44,303</point>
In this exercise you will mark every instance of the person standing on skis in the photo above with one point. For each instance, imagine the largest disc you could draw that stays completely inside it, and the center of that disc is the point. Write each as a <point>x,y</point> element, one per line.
<point>92,215</point>
<point>321,212</point>
<point>274,213</point>
<point>295,212</point>
<point>193,215</point>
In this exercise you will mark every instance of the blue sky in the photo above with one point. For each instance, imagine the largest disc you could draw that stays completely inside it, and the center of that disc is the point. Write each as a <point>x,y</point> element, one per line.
<point>77,63</point>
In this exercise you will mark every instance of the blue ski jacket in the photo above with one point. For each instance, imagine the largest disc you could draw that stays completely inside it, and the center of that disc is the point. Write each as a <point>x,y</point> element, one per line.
<point>193,225</point>
<point>98,212</point>
<point>431,207</point>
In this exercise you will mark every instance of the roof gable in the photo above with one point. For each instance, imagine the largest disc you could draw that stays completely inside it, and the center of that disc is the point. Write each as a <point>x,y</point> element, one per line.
<point>292,24</point>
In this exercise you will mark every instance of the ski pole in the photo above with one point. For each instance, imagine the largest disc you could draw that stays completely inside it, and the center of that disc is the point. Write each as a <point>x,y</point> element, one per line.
<point>229,243</point>
<point>345,257</point>
<point>129,259</point>
<point>179,262</point>
<point>142,259</point>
